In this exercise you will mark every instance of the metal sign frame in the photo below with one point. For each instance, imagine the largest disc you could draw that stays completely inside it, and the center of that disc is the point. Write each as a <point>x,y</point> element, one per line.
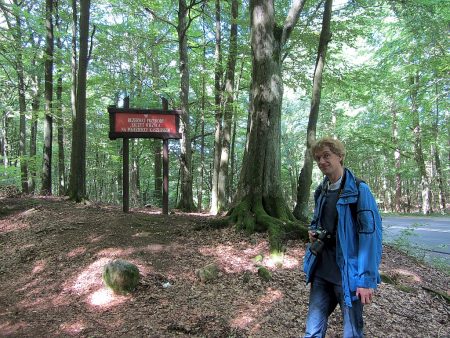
<point>144,123</point>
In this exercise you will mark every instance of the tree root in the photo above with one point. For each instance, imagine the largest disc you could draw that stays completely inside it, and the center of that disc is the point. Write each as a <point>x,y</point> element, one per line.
<point>251,216</point>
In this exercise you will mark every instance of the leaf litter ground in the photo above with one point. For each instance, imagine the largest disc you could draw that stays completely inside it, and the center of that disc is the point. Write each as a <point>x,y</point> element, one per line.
<point>53,252</point>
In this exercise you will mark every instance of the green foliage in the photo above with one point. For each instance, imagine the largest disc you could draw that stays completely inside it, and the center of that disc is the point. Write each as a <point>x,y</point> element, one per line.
<point>375,47</point>
<point>264,274</point>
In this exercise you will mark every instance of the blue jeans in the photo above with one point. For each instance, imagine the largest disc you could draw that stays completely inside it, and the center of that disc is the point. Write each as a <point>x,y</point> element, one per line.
<point>323,298</point>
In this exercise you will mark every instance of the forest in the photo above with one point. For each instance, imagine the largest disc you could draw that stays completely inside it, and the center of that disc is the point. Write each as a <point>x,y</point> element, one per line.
<point>256,81</point>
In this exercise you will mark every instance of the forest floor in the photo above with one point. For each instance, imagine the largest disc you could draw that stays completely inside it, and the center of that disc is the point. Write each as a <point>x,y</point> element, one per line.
<point>53,252</point>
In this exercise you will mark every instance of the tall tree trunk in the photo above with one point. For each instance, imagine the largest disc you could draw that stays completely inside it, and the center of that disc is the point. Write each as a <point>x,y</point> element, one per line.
<point>74,66</point>
<point>157,156</point>
<point>202,148</point>
<point>304,181</point>
<point>46,188</point>
<point>78,175</point>
<point>186,202</point>
<point>22,102</point>
<point>418,150</point>
<point>61,157</point>
<point>134,174</point>
<point>260,204</point>
<point>35,107</point>
<point>59,114</point>
<point>397,159</point>
<point>73,91</point>
<point>156,143</point>
<point>231,183</point>
<point>218,113</point>
<point>223,182</point>
<point>18,65</point>
<point>4,139</point>
<point>202,124</point>
<point>437,159</point>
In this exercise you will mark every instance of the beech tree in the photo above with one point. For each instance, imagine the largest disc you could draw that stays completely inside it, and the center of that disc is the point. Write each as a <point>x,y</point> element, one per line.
<point>218,72</point>
<point>77,186</point>
<point>304,181</point>
<point>15,26</point>
<point>260,204</point>
<point>186,200</point>
<point>228,95</point>
<point>367,99</point>
<point>46,188</point>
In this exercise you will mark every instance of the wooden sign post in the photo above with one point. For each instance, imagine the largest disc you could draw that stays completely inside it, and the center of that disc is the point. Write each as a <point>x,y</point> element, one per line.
<point>129,123</point>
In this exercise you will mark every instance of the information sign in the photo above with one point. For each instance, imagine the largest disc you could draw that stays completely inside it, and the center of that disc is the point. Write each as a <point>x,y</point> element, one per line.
<point>144,123</point>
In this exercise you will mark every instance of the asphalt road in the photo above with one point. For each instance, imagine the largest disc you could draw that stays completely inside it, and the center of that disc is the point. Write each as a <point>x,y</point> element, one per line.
<point>430,234</point>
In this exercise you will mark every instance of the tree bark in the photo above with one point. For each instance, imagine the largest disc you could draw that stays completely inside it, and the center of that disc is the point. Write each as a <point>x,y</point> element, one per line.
<point>231,184</point>
<point>134,174</point>
<point>157,155</point>
<point>223,181</point>
<point>18,66</point>
<point>22,102</point>
<point>437,159</point>
<point>418,150</point>
<point>397,160</point>
<point>4,139</point>
<point>304,181</point>
<point>202,124</point>
<point>260,205</point>
<point>218,73</point>
<point>60,120</point>
<point>35,106</point>
<point>73,92</point>
<point>78,174</point>
<point>46,188</point>
<point>186,202</point>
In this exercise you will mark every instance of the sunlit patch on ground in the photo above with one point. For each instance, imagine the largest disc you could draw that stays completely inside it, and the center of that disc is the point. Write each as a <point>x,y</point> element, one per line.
<point>230,258</point>
<point>156,247</point>
<point>73,328</point>
<point>142,234</point>
<point>76,252</point>
<point>251,312</point>
<point>95,238</point>
<point>242,321</point>
<point>39,266</point>
<point>106,298</point>
<point>11,329</point>
<point>112,253</point>
<point>91,277</point>
<point>233,261</point>
<point>408,274</point>
<point>14,225</point>
<point>89,283</point>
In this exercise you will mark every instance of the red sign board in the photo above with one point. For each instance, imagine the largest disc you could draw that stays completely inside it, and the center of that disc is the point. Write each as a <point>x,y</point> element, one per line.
<point>144,123</point>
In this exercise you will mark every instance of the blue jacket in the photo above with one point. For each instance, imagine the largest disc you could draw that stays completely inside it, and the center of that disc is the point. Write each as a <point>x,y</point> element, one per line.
<point>359,242</point>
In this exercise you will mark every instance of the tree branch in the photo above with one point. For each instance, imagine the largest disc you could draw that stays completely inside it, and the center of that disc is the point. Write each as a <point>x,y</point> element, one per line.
<point>90,47</point>
<point>194,3</point>
<point>291,20</point>
<point>160,18</point>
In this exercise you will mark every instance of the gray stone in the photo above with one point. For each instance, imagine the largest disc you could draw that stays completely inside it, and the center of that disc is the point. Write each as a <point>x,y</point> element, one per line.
<point>121,276</point>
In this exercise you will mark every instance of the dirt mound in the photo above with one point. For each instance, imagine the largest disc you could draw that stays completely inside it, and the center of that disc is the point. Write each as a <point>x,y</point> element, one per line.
<point>53,252</point>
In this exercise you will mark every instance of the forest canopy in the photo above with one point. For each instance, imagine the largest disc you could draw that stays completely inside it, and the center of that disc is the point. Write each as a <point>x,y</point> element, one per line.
<point>384,93</point>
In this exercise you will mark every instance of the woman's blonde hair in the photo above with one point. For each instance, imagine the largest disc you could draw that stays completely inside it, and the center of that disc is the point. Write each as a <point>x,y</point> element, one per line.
<point>336,147</point>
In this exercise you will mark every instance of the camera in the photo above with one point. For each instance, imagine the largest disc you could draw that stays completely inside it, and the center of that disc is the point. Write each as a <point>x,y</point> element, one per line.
<point>321,236</point>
